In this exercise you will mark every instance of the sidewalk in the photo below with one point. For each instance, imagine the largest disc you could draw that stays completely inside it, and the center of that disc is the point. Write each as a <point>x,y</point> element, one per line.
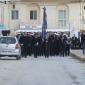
<point>78,54</point>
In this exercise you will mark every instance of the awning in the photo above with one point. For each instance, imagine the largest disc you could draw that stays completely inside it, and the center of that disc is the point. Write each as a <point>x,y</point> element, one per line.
<point>58,30</point>
<point>29,30</point>
<point>40,30</point>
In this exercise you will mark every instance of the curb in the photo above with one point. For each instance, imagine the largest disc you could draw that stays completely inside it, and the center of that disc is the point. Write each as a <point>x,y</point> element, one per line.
<point>77,57</point>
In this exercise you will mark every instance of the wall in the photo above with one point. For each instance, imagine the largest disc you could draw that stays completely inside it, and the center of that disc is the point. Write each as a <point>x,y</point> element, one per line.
<point>73,15</point>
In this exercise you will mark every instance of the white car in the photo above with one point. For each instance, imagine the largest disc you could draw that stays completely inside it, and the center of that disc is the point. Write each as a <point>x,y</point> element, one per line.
<point>9,46</point>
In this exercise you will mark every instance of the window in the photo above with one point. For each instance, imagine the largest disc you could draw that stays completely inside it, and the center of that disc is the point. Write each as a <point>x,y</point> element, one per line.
<point>62,18</point>
<point>33,15</point>
<point>7,40</point>
<point>15,14</point>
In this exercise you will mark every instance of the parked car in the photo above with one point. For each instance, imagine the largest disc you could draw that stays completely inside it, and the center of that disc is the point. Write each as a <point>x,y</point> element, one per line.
<point>9,46</point>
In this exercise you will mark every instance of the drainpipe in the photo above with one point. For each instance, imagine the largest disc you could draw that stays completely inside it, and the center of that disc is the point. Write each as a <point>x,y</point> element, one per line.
<point>81,14</point>
<point>8,15</point>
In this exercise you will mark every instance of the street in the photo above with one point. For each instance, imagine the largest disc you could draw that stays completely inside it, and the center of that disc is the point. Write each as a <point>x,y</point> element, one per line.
<point>42,71</point>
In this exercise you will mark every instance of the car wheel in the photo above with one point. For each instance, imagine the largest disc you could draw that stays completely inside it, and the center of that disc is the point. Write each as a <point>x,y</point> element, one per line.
<point>18,57</point>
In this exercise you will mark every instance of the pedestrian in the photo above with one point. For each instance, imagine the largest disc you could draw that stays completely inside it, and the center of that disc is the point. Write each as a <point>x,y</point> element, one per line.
<point>25,44</point>
<point>46,44</point>
<point>21,42</point>
<point>68,43</point>
<point>84,47</point>
<point>74,40</point>
<point>36,44</point>
<point>56,45</point>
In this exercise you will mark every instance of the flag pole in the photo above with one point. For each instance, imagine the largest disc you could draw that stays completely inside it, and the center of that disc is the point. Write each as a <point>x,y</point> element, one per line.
<point>44,24</point>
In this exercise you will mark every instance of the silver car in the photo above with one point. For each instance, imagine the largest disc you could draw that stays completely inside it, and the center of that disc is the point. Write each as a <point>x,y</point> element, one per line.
<point>9,46</point>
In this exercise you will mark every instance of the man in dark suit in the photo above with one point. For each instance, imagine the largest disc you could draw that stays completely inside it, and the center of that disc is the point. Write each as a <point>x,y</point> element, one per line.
<point>74,40</point>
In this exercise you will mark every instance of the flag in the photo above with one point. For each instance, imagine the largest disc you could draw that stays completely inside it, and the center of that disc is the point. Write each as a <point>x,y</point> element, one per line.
<point>44,25</point>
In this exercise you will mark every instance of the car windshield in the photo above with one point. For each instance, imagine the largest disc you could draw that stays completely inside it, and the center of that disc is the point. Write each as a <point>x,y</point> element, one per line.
<point>7,40</point>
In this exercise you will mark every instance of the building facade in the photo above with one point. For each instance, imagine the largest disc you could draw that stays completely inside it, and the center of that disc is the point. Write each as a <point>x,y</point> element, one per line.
<point>61,15</point>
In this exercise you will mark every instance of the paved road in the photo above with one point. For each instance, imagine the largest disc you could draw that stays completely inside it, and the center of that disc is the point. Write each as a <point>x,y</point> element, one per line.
<point>42,71</point>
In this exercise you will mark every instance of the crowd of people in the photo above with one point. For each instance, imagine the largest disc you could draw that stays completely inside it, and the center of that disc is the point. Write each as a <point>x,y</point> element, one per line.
<point>78,43</point>
<point>54,45</point>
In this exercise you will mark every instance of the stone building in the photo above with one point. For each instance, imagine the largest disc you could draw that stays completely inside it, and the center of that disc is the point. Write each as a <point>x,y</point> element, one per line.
<point>62,15</point>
